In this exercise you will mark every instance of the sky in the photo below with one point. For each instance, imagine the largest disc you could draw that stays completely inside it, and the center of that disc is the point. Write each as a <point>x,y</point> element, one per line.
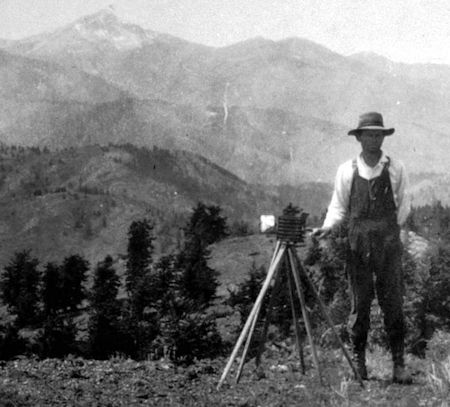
<point>409,31</point>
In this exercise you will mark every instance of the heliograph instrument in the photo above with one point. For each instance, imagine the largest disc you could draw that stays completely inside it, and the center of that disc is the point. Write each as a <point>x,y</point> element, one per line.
<point>290,233</point>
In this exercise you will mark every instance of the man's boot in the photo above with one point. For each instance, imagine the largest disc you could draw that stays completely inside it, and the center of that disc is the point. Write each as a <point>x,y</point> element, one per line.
<point>359,360</point>
<point>399,373</point>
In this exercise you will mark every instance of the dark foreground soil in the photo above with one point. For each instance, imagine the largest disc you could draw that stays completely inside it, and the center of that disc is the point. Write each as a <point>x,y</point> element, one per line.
<point>120,382</point>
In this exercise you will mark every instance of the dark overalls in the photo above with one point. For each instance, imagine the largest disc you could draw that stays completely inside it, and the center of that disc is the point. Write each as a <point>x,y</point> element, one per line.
<point>374,261</point>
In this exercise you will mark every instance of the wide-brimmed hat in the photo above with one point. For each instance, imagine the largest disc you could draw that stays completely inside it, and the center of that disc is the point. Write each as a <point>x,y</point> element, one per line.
<point>371,121</point>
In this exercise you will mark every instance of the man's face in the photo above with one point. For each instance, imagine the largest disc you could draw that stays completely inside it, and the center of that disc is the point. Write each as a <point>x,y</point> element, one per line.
<point>371,140</point>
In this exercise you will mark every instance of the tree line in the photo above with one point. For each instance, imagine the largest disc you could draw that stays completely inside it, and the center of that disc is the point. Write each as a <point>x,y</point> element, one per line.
<point>161,308</point>
<point>165,307</point>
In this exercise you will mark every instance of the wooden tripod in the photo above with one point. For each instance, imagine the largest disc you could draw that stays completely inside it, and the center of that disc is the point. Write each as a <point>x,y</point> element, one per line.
<point>285,251</point>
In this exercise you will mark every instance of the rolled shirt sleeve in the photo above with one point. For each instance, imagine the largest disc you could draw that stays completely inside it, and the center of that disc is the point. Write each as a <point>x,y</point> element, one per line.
<point>337,209</point>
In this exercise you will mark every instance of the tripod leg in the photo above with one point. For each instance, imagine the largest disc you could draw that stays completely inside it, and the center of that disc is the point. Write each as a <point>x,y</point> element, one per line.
<point>329,321</point>
<point>275,292</point>
<point>253,314</point>
<point>298,341</point>
<point>247,344</point>
<point>304,312</point>
<point>252,329</point>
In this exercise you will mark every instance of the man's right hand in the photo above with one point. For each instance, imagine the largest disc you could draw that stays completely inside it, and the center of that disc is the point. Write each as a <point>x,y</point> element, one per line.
<point>321,233</point>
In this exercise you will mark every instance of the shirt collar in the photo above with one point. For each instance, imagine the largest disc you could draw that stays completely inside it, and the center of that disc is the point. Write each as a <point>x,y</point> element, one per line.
<point>383,160</point>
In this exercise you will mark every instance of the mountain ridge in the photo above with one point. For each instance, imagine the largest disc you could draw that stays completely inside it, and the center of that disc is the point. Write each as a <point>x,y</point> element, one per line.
<point>265,110</point>
<point>83,199</point>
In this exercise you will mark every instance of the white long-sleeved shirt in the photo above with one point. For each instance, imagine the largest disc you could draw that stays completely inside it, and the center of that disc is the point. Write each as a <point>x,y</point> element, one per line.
<point>338,207</point>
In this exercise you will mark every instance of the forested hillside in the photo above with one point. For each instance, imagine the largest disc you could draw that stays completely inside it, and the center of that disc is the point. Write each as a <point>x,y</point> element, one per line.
<point>83,199</point>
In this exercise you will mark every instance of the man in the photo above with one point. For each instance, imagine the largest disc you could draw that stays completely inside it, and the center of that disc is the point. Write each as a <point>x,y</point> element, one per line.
<point>370,193</point>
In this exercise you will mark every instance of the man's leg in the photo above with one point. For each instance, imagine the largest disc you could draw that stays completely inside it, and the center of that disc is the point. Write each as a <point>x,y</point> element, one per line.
<point>361,295</point>
<point>389,287</point>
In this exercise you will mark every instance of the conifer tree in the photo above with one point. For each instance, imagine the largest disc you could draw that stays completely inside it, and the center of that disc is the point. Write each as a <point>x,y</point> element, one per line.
<point>186,328</point>
<point>166,284</point>
<point>204,227</point>
<point>51,289</point>
<point>199,280</point>
<point>245,295</point>
<point>140,251</point>
<point>73,274</point>
<point>207,224</point>
<point>62,293</point>
<point>19,288</point>
<point>141,327</point>
<point>105,310</point>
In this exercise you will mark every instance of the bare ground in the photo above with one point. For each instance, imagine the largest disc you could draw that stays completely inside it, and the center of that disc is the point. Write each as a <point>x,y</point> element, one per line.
<point>121,382</point>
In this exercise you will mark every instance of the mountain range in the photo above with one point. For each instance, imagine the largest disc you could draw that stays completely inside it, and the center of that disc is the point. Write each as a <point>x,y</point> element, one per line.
<point>268,111</point>
<point>103,122</point>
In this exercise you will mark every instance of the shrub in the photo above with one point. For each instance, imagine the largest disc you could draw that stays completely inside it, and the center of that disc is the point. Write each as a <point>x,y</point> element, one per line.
<point>58,337</point>
<point>427,300</point>
<point>240,228</point>
<point>438,347</point>
<point>438,371</point>
<point>247,292</point>
<point>189,336</point>
<point>11,344</point>
<point>186,327</point>
<point>276,307</point>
